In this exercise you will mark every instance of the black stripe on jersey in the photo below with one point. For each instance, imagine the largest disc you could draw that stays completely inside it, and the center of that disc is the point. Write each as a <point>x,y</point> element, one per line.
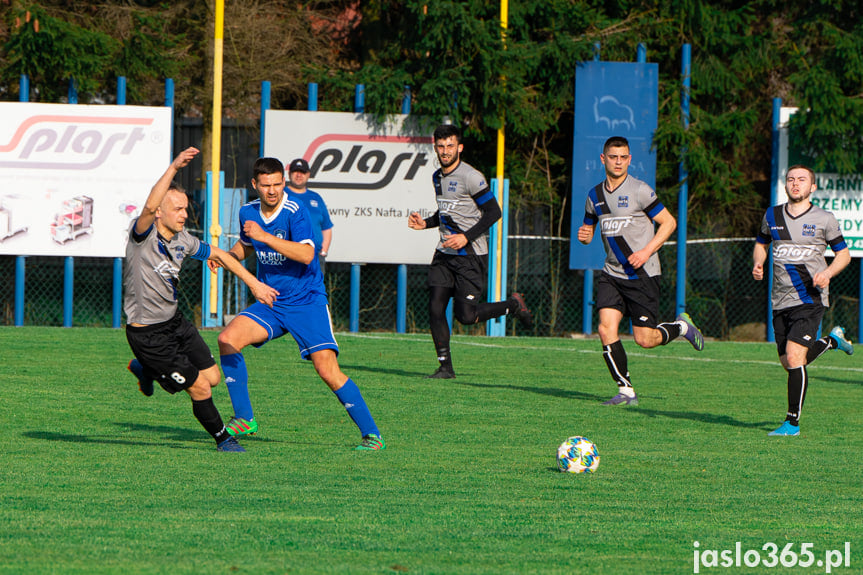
<point>649,209</point>
<point>806,279</point>
<point>450,225</point>
<point>601,203</point>
<point>621,248</point>
<point>780,231</point>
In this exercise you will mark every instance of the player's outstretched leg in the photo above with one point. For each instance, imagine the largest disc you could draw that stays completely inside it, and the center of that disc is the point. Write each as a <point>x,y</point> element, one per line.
<point>615,359</point>
<point>145,384</point>
<point>237,381</point>
<point>692,334</point>
<point>837,334</point>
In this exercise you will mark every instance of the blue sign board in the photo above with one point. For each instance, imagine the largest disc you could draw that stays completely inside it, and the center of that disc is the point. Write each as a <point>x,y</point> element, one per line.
<point>611,99</point>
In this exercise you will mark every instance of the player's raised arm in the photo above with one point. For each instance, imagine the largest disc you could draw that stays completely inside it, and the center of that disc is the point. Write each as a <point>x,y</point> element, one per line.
<point>262,292</point>
<point>161,187</point>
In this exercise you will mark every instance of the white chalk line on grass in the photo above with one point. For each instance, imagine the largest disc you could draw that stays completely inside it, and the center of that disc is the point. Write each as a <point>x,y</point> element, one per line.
<point>597,351</point>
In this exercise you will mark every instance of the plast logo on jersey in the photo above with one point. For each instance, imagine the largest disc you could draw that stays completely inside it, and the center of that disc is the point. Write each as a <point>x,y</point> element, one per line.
<point>365,162</point>
<point>68,142</point>
<point>787,253</point>
<point>612,226</point>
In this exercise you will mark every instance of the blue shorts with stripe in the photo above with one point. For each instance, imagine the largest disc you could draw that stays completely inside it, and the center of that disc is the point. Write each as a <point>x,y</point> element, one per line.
<point>310,325</point>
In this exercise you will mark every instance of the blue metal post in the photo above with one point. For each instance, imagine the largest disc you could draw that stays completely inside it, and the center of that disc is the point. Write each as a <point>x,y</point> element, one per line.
<point>359,108</point>
<point>68,289</point>
<point>169,102</point>
<point>402,269</point>
<point>117,288</point>
<point>587,302</point>
<point>72,94</point>
<point>683,196</point>
<point>641,53</point>
<point>313,97</point>
<point>20,271</point>
<point>774,184</point>
<point>69,261</point>
<point>596,51</point>
<point>20,262</point>
<point>266,89</point>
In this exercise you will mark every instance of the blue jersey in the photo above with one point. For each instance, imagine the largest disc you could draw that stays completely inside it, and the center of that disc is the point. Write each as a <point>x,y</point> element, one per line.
<point>318,214</point>
<point>296,282</point>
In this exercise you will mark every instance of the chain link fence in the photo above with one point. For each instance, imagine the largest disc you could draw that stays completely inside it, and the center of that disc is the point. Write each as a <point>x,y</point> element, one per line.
<point>721,295</point>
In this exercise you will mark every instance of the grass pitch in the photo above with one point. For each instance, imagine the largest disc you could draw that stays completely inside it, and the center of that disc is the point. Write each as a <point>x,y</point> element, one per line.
<point>96,478</point>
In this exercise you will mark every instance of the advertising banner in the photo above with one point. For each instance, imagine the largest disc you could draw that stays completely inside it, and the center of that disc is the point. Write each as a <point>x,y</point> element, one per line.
<point>842,195</point>
<point>72,177</point>
<point>371,176</point>
<point>611,99</point>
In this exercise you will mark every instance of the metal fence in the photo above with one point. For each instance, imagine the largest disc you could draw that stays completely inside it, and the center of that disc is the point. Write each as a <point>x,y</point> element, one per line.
<point>721,295</point>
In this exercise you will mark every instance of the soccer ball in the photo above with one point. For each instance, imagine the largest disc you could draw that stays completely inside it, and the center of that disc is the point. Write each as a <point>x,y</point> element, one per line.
<point>577,455</point>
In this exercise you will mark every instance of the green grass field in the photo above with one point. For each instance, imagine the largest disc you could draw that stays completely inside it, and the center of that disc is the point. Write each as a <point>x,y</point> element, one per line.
<point>96,478</point>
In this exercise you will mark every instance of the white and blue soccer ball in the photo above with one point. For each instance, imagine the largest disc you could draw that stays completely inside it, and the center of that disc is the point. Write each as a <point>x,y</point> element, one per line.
<point>577,455</point>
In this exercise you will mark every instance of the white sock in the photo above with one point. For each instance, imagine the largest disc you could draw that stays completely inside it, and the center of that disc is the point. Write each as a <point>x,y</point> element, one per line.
<point>627,391</point>
<point>684,327</point>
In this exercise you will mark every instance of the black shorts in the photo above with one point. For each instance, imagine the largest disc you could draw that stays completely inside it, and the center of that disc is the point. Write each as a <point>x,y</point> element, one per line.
<point>637,299</point>
<point>172,351</point>
<point>798,324</point>
<point>467,275</point>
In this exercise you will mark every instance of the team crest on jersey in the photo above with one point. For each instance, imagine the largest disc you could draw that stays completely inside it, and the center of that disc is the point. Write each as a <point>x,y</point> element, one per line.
<point>313,203</point>
<point>179,253</point>
<point>452,186</point>
<point>623,202</point>
<point>809,230</point>
<point>280,234</point>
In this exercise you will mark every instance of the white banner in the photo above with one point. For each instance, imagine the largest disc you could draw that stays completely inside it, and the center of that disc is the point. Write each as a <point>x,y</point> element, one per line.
<point>371,177</point>
<point>842,195</point>
<point>72,177</point>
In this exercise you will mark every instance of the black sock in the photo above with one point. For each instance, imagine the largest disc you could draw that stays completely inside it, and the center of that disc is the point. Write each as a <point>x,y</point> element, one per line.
<point>819,348</point>
<point>670,331</point>
<point>798,381</point>
<point>615,359</point>
<point>205,411</point>
<point>489,310</point>
<point>444,357</point>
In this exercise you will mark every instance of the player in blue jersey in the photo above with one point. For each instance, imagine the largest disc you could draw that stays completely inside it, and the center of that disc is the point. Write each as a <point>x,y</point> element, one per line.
<point>277,230</point>
<point>625,210</point>
<point>167,347</point>
<point>459,268</point>
<point>322,225</point>
<point>800,234</point>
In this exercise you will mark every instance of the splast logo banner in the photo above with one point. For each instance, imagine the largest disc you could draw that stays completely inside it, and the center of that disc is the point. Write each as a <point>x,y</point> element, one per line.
<point>371,176</point>
<point>72,177</point>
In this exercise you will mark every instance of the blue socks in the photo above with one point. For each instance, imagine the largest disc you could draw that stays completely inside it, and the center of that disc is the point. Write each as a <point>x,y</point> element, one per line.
<point>350,396</point>
<point>237,382</point>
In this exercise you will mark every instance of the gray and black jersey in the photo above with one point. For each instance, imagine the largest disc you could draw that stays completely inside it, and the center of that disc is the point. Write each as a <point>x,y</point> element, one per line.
<point>625,217</point>
<point>463,198</point>
<point>152,272</point>
<point>799,244</point>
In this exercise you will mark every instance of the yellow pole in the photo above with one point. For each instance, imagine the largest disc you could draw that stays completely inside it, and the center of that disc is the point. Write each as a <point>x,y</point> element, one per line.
<point>504,19</point>
<point>215,228</point>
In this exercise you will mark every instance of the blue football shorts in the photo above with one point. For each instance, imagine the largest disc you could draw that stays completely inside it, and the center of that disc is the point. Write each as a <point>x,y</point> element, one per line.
<point>310,325</point>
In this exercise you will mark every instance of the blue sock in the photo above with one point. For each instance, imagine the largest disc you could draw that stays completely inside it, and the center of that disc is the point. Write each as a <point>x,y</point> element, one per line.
<point>237,382</point>
<point>352,399</point>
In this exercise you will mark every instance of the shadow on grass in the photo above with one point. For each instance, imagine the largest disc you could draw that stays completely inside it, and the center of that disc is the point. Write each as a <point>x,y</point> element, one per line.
<point>711,418</point>
<point>77,438</point>
<point>389,371</point>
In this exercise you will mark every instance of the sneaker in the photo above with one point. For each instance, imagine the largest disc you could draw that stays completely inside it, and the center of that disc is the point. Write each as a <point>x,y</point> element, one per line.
<point>693,334</point>
<point>239,426</point>
<point>145,385</point>
<point>621,399</point>
<point>785,430</point>
<point>838,335</point>
<point>371,442</point>
<point>522,313</point>
<point>230,444</point>
<point>443,372</point>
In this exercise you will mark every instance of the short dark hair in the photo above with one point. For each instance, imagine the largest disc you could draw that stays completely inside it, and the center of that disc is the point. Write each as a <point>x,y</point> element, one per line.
<point>801,167</point>
<point>177,187</point>
<point>615,142</point>
<point>267,166</point>
<point>445,131</point>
